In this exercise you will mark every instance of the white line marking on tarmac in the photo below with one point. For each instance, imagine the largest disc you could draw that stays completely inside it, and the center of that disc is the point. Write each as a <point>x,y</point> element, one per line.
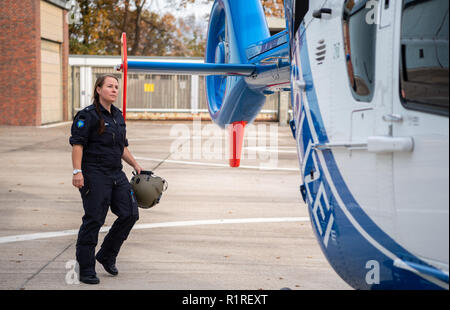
<point>55,125</point>
<point>196,163</point>
<point>269,150</point>
<point>28,237</point>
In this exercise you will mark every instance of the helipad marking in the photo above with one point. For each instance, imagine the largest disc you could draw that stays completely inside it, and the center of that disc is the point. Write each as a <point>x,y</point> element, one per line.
<point>196,163</point>
<point>28,237</point>
<point>270,150</point>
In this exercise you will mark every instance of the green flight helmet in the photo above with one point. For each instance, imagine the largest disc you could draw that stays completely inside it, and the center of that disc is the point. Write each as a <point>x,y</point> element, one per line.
<point>148,188</point>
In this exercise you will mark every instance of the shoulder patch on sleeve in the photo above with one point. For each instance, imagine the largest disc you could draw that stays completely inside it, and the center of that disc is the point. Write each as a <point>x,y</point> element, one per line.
<point>82,119</point>
<point>80,123</point>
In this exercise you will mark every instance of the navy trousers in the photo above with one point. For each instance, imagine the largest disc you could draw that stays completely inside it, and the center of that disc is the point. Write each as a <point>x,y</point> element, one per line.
<point>102,189</point>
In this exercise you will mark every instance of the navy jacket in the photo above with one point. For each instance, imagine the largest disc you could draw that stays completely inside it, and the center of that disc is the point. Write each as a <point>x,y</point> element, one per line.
<point>103,150</point>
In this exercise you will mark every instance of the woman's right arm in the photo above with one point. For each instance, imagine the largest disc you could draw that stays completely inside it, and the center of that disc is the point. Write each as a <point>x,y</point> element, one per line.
<point>77,155</point>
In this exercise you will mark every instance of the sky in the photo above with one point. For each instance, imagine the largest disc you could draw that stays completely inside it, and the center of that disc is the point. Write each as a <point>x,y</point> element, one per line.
<point>200,10</point>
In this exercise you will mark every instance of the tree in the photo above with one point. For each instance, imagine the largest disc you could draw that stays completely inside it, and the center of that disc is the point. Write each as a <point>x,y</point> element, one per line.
<point>97,29</point>
<point>149,34</point>
<point>194,37</point>
<point>271,7</point>
<point>137,25</point>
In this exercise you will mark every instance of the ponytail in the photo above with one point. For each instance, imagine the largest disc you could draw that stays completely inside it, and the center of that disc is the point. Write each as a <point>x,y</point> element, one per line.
<point>101,127</point>
<point>99,83</point>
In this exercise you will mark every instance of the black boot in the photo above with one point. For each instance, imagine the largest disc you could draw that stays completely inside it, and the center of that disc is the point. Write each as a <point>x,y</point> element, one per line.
<point>110,267</point>
<point>89,279</point>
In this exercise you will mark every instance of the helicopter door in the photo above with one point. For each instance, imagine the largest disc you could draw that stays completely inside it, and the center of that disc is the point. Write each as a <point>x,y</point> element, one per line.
<point>369,66</point>
<point>421,112</point>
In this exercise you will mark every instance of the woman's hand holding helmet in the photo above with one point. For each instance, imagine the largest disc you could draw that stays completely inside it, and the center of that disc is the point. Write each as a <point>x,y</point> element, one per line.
<point>137,168</point>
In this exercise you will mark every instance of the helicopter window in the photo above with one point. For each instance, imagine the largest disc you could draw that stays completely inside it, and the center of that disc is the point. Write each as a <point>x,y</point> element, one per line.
<point>359,43</point>
<point>301,7</point>
<point>424,56</point>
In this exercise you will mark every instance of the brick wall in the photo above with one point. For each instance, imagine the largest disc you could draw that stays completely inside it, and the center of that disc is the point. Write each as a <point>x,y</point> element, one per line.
<point>65,71</point>
<point>20,70</point>
<point>20,63</point>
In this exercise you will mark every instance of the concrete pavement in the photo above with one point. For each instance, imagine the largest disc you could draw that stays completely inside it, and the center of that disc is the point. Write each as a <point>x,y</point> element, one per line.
<point>169,249</point>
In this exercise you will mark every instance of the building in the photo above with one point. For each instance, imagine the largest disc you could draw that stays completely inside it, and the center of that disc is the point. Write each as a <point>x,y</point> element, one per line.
<point>276,24</point>
<point>155,96</point>
<point>38,85</point>
<point>34,50</point>
<point>161,96</point>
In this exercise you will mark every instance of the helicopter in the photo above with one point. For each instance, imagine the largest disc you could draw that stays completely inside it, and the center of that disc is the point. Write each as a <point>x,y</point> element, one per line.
<point>369,90</point>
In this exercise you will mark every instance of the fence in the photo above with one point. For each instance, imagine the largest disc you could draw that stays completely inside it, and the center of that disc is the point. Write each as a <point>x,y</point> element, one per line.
<point>149,96</point>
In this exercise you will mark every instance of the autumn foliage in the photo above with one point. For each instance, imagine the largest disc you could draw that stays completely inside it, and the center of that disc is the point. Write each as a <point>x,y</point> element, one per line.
<point>101,22</point>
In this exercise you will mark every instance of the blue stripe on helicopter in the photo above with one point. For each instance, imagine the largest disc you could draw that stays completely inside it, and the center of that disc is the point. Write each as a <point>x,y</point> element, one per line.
<point>342,241</point>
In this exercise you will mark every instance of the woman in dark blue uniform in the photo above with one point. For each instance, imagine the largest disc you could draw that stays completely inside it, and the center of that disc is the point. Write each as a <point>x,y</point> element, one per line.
<point>99,143</point>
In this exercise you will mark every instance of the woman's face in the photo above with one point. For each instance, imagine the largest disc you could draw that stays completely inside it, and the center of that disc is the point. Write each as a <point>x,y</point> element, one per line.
<point>109,91</point>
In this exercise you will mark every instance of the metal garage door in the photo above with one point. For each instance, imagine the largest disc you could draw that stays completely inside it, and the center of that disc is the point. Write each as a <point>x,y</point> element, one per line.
<point>51,82</point>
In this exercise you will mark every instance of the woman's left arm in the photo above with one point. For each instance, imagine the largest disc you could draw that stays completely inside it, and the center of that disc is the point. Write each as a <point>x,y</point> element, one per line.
<point>128,157</point>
